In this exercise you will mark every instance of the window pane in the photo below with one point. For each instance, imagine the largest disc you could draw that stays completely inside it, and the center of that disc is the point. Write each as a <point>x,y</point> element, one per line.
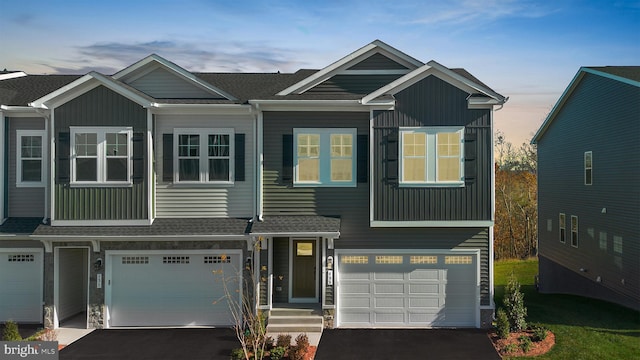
<point>308,145</point>
<point>449,169</point>
<point>448,166</point>
<point>31,170</point>
<point>31,147</point>
<point>341,170</point>
<point>86,169</point>
<point>414,169</point>
<point>116,144</point>
<point>414,144</point>
<point>189,170</point>
<point>219,145</point>
<point>86,144</point>
<point>117,169</point>
<point>308,170</point>
<point>218,170</point>
<point>189,145</point>
<point>341,145</point>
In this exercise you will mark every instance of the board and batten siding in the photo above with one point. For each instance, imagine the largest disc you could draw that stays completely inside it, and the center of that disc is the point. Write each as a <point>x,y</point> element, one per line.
<point>433,102</point>
<point>178,200</point>
<point>162,84</point>
<point>601,116</point>
<point>100,107</point>
<point>24,201</point>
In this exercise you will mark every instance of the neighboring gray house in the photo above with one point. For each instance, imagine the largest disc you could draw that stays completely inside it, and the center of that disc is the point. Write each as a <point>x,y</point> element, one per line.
<point>368,186</point>
<point>589,188</point>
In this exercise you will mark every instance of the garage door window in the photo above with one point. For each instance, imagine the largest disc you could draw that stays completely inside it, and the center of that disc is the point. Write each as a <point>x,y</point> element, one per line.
<point>135,259</point>
<point>382,259</point>
<point>355,259</point>
<point>424,260</point>
<point>175,259</point>
<point>21,258</point>
<point>461,260</point>
<point>218,259</point>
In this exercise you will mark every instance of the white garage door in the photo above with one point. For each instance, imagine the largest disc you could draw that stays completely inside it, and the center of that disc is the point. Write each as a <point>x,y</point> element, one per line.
<point>171,288</point>
<point>408,290</point>
<point>21,285</point>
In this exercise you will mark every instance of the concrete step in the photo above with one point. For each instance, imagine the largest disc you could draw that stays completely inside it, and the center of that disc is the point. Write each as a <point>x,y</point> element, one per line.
<point>280,320</point>
<point>293,328</point>
<point>295,312</point>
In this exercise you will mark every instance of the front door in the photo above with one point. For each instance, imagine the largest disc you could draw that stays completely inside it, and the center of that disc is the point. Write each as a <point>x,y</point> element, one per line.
<point>303,276</point>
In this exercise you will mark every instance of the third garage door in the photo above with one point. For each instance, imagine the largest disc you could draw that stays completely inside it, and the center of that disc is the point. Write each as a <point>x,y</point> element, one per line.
<point>408,290</point>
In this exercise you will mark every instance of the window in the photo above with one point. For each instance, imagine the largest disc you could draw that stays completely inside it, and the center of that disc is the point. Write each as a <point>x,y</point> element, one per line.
<point>424,259</point>
<point>603,240</point>
<point>574,231</point>
<point>388,259</point>
<point>432,156</point>
<point>354,259</point>
<point>204,155</point>
<point>30,155</point>
<point>458,259</point>
<point>617,244</point>
<point>563,228</point>
<point>588,168</point>
<point>101,155</point>
<point>324,157</point>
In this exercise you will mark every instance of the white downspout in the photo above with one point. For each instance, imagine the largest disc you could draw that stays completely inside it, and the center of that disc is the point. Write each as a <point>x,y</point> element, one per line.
<point>2,165</point>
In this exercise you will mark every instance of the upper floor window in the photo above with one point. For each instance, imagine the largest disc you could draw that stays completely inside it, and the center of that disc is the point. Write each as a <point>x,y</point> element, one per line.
<point>30,158</point>
<point>563,227</point>
<point>432,156</point>
<point>101,155</point>
<point>574,231</point>
<point>203,155</point>
<point>588,168</point>
<point>325,157</point>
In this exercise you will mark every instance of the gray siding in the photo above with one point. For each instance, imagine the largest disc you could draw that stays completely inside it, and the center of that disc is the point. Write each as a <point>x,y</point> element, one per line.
<point>353,84</point>
<point>281,269</point>
<point>433,102</point>
<point>377,62</point>
<point>351,204</point>
<point>24,201</point>
<point>162,84</point>
<point>205,200</point>
<point>101,107</point>
<point>602,116</point>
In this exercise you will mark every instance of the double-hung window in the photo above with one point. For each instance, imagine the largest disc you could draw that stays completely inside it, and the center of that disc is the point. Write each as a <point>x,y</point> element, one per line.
<point>563,227</point>
<point>204,156</point>
<point>325,157</point>
<point>574,231</point>
<point>432,156</point>
<point>101,155</point>
<point>588,168</point>
<point>30,158</point>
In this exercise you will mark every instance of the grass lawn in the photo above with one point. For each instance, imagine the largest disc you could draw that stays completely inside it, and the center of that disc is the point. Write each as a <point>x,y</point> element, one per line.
<point>584,328</point>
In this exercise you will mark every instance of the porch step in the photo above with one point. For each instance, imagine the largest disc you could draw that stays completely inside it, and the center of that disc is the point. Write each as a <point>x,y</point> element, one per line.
<point>291,321</point>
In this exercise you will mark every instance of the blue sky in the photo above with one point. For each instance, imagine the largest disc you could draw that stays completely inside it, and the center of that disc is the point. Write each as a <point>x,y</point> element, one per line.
<point>527,50</point>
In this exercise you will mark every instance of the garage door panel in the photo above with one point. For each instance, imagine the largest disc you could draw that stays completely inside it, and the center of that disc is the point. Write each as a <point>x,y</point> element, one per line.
<point>425,302</point>
<point>383,289</point>
<point>389,302</point>
<point>383,318</point>
<point>423,274</point>
<point>21,285</point>
<point>387,276</point>
<point>424,289</point>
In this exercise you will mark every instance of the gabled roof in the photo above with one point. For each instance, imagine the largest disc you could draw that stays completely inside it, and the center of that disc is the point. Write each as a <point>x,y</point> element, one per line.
<point>21,91</point>
<point>625,74</point>
<point>460,78</point>
<point>86,83</point>
<point>152,61</point>
<point>375,47</point>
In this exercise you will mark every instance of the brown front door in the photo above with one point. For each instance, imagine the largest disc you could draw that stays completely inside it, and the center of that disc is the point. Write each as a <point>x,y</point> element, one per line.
<point>304,269</point>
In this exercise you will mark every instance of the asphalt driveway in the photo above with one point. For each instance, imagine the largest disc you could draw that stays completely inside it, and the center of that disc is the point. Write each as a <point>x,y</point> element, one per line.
<point>141,344</point>
<point>405,344</point>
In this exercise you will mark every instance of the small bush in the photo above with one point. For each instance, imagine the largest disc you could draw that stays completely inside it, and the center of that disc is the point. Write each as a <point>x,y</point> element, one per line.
<point>514,305</point>
<point>510,348</point>
<point>11,332</point>
<point>277,352</point>
<point>539,332</point>
<point>502,324</point>
<point>525,343</point>
<point>283,341</point>
<point>300,349</point>
<point>237,354</point>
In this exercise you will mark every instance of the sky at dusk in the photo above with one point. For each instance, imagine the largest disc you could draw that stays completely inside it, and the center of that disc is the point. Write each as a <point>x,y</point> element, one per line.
<point>526,50</point>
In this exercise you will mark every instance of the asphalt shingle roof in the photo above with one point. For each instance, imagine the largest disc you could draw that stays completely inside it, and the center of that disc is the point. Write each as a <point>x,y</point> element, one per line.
<point>296,224</point>
<point>23,90</point>
<point>160,227</point>
<point>14,226</point>
<point>628,72</point>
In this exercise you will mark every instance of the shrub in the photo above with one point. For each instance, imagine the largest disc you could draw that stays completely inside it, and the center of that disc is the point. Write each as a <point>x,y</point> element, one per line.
<point>11,332</point>
<point>237,354</point>
<point>514,305</point>
<point>525,343</point>
<point>283,341</point>
<point>502,324</point>
<point>298,351</point>
<point>539,332</point>
<point>510,348</point>
<point>277,352</point>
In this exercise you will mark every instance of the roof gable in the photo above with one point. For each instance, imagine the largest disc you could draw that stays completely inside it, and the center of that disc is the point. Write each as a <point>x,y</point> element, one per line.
<point>376,58</point>
<point>155,70</point>
<point>625,74</point>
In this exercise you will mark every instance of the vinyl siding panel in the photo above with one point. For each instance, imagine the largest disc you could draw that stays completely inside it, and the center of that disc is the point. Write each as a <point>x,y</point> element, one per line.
<point>353,84</point>
<point>281,270</point>
<point>377,62</point>
<point>601,116</point>
<point>433,102</point>
<point>162,84</point>
<point>24,201</point>
<point>101,107</point>
<point>205,200</point>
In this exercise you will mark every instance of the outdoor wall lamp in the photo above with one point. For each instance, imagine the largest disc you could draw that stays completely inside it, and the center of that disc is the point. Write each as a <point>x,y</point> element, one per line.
<point>97,266</point>
<point>330,262</point>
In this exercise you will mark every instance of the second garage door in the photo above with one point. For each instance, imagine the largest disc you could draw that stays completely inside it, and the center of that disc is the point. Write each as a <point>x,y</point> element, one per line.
<point>171,288</point>
<point>408,290</point>
<point>21,285</point>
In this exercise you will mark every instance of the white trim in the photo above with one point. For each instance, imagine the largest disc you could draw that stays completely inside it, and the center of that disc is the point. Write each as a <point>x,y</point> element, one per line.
<point>52,167</point>
<point>150,174</point>
<point>346,62</point>
<point>56,282</point>
<point>310,105</point>
<point>101,155</point>
<point>181,72</point>
<point>142,222</point>
<point>12,75</point>
<point>433,223</point>
<point>41,252</point>
<point>21,111</point>
<point>98,238</point>
<point>372,174</point>
<point>43,158</point>
<point>203,156</point>
<point>2,160</point>
<point>316,275</point>
<point>260,163</point>
<point>200,109</point>
<point>334,235</point>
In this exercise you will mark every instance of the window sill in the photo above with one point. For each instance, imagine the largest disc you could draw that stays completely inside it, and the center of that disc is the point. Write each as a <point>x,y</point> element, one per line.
<point>30,185</point>
<point>432,185</point>
<point>100,184</point>
<point>330,185</point>
<point>195,184</point>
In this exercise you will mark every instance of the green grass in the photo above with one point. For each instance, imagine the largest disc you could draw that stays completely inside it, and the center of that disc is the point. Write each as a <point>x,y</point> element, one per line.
<point>584,328</point>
